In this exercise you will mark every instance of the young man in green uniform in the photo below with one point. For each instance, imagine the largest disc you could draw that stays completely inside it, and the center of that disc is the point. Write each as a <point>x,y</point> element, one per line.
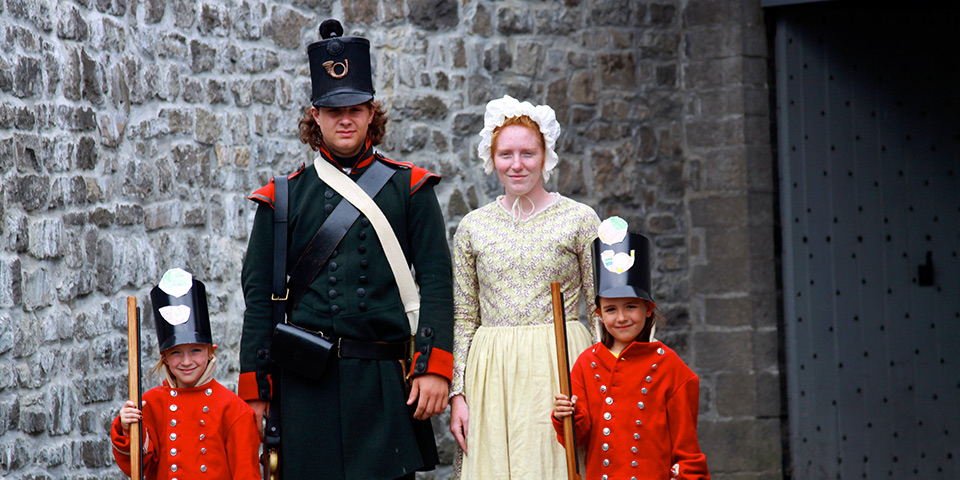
<point>358,419</point>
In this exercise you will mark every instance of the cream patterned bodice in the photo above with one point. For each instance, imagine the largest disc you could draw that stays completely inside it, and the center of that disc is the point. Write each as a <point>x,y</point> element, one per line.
<point>503,268</point>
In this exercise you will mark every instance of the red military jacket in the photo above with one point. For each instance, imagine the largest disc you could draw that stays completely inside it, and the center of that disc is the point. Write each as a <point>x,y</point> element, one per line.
<point>203,432</point>
<point>636,414</point>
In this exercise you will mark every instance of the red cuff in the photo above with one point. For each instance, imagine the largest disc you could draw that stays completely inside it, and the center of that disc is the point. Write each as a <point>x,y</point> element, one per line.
<point>440,363</point>
<point>121,441</point>
<point>247,387</point>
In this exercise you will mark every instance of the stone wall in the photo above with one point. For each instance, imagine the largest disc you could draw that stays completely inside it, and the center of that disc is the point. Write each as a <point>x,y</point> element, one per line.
<point>132,131</point>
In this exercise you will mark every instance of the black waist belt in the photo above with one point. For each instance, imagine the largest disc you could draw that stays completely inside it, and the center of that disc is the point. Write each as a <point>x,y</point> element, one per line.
<point>347,348</point>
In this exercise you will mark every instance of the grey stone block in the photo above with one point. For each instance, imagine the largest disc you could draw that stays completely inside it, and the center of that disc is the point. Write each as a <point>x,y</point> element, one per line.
<point>202,56</point>
<point>433,14</point>
<point>6,77</point>
<point>45,238</point>
<point>153,10</point>
<point>769,404</point>
<point>80,119</point>
<point>360,11</point>
<point>70,24</point>
<point>264,91</point>
<point>583,88</point>
<point>513,20</point>
<point>497,58</point>
<point>480,22</point>
<point>740,445</point>
<point>285,24</point>
<point>129,214</point>
<point>720,211</point>
<point>10,283</point>
<point>766,345</point>
<point>94,453</point>
<point>27,80</point>
<point>724,352</point>
<point>728,311</point>
<point>208,127</point>
<point>617,70</point>
<point>529,57</point>
<point>709,13</point>
<point>164,215</point>
<point>13,456</point>
<point>30,191</point>
<point>736,395</point>
<point>618,12</point>
<point>720,276</point>
<point>662,14</point>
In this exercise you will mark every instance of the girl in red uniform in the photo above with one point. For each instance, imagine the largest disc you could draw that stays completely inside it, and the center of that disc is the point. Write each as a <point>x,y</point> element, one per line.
<point>193,427</point>
<point>634,401</point>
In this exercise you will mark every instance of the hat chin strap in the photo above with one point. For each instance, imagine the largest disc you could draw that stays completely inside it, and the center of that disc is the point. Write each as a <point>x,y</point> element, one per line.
<point>204,378</point>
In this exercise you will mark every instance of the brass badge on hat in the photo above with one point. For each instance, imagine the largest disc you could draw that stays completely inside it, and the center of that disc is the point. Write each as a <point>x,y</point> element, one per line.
<point>331,67</point>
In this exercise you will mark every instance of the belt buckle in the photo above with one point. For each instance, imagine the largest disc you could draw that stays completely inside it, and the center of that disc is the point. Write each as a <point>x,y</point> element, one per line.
<point>339,347</point>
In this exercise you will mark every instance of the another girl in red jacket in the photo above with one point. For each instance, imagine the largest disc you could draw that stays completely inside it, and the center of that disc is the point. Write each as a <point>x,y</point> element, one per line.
<point>634,401</point>
<point>193,427</point>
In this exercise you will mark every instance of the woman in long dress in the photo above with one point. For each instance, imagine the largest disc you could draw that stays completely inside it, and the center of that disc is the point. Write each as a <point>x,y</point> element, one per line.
<point>506,254</point>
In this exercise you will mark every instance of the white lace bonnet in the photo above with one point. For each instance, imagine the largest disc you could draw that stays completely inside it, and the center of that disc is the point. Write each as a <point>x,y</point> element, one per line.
<point>508,107</point>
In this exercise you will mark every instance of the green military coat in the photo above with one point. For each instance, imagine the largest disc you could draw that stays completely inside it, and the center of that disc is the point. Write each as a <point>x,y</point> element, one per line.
<point>352,423</point>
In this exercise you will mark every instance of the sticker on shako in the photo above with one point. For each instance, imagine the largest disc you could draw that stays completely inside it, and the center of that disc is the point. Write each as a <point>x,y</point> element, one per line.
<point>612,231</point>
<point>176,282</point>
<point>617,262</point>
<point>175,314</point>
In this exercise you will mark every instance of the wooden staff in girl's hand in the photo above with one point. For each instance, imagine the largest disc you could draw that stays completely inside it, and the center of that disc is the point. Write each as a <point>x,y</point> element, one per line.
<point>133,360</point>
<point>563,367</point>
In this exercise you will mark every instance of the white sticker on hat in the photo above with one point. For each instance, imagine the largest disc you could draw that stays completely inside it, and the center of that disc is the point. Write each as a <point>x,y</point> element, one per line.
<point>176,282</point>
<point>612,230</point>
<point>175,314</point>
<point>617,262</point>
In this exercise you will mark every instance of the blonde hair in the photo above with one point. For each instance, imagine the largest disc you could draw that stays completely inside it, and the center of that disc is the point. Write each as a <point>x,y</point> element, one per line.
<point>161,370</point>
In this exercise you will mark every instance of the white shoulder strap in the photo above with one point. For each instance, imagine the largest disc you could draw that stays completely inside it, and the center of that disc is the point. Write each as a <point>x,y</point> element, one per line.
<point>350,191</point>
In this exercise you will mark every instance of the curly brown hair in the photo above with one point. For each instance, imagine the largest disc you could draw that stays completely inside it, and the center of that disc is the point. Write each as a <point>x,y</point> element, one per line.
<point>310,131</point>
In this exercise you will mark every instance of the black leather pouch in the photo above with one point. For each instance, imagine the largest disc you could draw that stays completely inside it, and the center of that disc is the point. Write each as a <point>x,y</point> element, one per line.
<point>300,351</point>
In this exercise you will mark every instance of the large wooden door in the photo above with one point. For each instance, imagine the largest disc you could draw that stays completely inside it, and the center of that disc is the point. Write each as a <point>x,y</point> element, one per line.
<point>869,158</point>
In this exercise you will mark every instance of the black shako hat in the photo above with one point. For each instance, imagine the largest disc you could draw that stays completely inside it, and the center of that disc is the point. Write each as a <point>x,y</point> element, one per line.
<point>180,310</point>
<point>621,268</point>
<point>340,68</point>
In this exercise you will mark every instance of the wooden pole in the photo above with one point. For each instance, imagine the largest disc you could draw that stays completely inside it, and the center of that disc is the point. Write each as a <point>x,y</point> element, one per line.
<point>133,362</point>
<point>563,367</point>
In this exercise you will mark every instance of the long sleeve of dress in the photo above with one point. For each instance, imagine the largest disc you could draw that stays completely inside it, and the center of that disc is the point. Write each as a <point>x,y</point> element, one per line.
<point>682,410</point>
<point>585,260</point>
<point>466,312</point>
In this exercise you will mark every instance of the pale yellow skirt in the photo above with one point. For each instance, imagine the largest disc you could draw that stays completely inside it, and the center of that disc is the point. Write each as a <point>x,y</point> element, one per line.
<point>510,380</point>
